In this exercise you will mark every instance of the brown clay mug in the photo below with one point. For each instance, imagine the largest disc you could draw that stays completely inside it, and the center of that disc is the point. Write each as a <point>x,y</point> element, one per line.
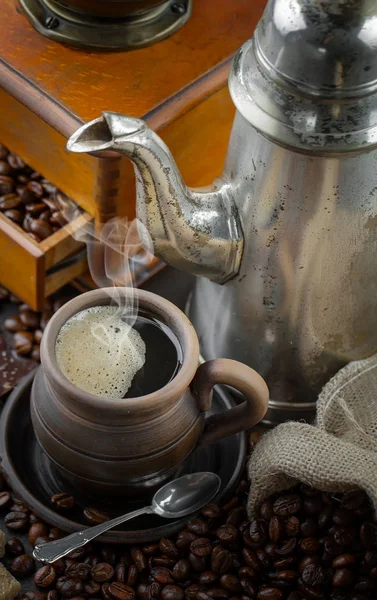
<point>121,446</point>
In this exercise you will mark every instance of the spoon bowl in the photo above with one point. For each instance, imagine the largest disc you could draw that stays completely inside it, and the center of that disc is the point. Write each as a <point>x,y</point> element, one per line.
<point>185,495</point>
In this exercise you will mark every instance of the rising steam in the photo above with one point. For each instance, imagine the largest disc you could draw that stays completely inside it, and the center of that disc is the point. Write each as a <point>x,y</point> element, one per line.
<point>114,249</point>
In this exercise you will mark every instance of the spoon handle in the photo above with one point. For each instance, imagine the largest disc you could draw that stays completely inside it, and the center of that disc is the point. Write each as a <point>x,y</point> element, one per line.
<point>51,551</point>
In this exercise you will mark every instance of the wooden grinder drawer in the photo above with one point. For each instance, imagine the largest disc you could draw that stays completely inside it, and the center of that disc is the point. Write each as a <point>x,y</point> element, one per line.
<point>33,271</point>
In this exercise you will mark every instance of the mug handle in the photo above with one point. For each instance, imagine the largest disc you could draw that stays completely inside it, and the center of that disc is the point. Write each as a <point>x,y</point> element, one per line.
<point>241,417</point>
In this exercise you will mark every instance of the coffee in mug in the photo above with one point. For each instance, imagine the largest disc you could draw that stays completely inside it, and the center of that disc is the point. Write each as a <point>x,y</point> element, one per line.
<point>110,354</point>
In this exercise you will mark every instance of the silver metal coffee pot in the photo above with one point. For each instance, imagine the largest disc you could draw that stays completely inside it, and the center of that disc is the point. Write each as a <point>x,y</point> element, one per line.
<point>285,240</point>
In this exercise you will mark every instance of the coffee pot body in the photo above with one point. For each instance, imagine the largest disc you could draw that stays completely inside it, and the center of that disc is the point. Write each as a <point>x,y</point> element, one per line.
<point>285,240</point>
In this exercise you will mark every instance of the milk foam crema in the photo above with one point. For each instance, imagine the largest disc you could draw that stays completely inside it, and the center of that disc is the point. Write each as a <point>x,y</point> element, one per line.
<point>100,353</point>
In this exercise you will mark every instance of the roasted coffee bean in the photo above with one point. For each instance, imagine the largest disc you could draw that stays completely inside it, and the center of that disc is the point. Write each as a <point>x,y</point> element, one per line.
<point>344,560</point>
<point>343,517</point>
<point>63,501</point>
<point>309,592</point>
<point>29,319</point>
<point>353,500</point>
<point>258,532</point>
<point>92,588</point>
<point>80,570</point>
<point>212,511</point>
<point>342,536</point>
<point>4,168</point>
<point>197,563</point>
<point>192,590</point>
<point>45,576</point>
<point>313,575</point>
<point>16,520</point>
<point>269,593</point>
<point>231,583</point>
<point>287,547</point>
<point>22,566</point>
<point>221,560</point>
<point>23,342</point>
<point>232,503</point>
<point>292,526</point>
<point>7,185</point>
<point>161,575</point>
<point>105,590</point>
<point>276,530</point>
<point>364,584</point>
<point>312,505</point>
<point>37,530</point>
<point>34,595</point>
<point>121,572</point>
<point>185,538</point>
<point>202,595</point>
<point>14,215</point>
<point>368,534</point>
<point>198,527</point>
<point>162,561</point>
<point>109,555</point>
<point>325,517</point>
<point>168,547</point>
<point>9,202</point>
<point>14,547</point>
<point>236,516</point>
<point>250,558</point>
<point>95,516</point>
<point>270,549</point>
<point>5,500</point>
<point>68,587</point>
<point>181,570</point>
<point>46,216</point>
<point>287,505</point>
<point>121,591</point>
<point>139,558</point>
<point>151,549</point>
<point>266,509</point>
<point>19,505</point>
<point>40,228</point>
<point>133,576</point>
<point>59,566</point>
<point>285,563</point>
<point>208,578</point>
<point>15,162</point>
<point>309,545</point>
<point>201,547</point>
<point>218,593</point>
<point>52,595</point>
<point>306,561</point>
<point>58,218</point>
<point>102,572</point>
<point>227,534</point>
<point>343,578</point>
<point>172,592</point>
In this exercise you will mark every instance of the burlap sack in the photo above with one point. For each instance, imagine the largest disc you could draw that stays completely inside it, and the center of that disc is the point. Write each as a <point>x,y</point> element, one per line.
<point>338,453</point>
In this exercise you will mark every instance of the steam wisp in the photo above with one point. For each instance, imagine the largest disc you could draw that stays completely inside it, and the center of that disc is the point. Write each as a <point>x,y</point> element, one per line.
<point>98,349</point>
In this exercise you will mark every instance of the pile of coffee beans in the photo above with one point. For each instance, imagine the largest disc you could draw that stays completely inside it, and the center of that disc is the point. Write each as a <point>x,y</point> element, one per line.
<point>28,199</point>
<point>304,545</point>
<point>27,326</point>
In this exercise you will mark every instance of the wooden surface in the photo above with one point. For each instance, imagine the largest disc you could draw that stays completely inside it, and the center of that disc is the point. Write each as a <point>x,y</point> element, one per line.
<point>65,86</point>
<point>25,263</point>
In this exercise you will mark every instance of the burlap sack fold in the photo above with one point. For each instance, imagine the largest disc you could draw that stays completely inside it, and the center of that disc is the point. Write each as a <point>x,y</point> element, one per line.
<point>337,454</point>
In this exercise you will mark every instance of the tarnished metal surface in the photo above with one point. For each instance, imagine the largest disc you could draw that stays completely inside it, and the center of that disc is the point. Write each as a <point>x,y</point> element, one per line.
<point>194,230</point>
<point>302,169</point>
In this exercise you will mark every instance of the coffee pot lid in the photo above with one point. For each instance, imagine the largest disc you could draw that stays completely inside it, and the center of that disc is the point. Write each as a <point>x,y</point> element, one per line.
<point>308,77</point>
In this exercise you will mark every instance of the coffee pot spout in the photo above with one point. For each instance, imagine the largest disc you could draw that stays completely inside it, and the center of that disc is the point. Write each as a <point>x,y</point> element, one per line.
<point>196,230</point>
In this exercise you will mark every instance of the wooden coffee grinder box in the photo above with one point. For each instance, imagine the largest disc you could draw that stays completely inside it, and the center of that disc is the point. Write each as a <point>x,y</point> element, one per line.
<point>49,89</point>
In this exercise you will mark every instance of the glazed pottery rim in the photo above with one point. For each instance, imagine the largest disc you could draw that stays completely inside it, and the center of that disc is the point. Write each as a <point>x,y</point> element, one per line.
<point>170,314</point>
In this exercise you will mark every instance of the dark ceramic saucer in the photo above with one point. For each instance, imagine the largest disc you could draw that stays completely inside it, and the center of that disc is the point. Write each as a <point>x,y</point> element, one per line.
<point>35,478</point>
